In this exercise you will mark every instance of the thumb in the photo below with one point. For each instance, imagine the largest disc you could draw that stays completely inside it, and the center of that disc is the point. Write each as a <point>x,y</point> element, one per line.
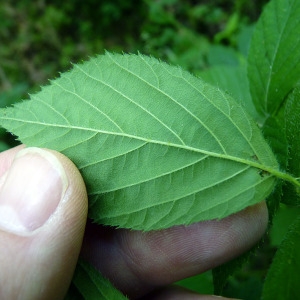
<point>43,210</point>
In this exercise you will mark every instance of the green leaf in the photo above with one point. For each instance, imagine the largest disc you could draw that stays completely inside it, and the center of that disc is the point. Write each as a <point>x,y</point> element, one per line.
<point>92,285</point>
<point>156,146</point>
<point>234,81</point>
<point>282,280</point>
<point>284,217</point>
<point>201,283</point>
<point>221,55</point>
<point>291,194</point>
<point>222,273</point>
<point>274,55</point>
<point>274,200</point>
<point>292,119</point>
<point>274,132</point>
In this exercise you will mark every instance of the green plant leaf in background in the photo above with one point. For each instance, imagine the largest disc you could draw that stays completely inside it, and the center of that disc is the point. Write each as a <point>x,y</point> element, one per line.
<point>92,285</point>
<point>231,79</point>
<point>274,55</point>
<point>292,113</point>
<point>282,281</point>
<point>285,216</point>
<point>274,131</point>
<point>156,146</point>
<point>273,68</point>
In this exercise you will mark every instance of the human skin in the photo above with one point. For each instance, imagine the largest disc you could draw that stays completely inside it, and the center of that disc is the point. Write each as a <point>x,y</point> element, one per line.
<point>43,230</point>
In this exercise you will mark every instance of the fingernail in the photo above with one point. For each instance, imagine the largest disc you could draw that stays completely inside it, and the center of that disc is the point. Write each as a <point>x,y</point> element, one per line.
<point>31,190</point>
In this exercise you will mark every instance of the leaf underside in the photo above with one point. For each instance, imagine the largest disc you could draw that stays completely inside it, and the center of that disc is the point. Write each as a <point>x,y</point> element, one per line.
<point>156,146</point>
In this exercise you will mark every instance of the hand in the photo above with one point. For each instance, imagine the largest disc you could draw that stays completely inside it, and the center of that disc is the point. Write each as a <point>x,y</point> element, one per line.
<point>43,211</point>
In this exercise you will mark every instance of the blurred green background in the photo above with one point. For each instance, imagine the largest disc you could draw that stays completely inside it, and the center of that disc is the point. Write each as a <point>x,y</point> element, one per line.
<point>39,39</point>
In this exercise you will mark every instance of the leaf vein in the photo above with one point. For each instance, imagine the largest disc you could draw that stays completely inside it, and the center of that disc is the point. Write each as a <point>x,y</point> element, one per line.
<point>88,103</point>
<point>112,157</point>
<point>185,147</point>
<point>176,102</point>
<point>170,172</point>
<point>199,191</point>
<point>52,108</point>
<point>135,103</point>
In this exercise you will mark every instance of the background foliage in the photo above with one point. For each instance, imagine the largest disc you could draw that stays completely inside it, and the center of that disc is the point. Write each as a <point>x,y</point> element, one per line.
<point>41,38</point>
<point>38,39</point>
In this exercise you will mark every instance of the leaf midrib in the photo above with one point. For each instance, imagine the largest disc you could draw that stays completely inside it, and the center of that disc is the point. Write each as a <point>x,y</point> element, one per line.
<point>251,163</point>
<point>184,146</point>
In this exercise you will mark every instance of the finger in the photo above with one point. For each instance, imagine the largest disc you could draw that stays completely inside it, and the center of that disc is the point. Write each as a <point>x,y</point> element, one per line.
<point>138,262</point>
<point>43,208</point>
